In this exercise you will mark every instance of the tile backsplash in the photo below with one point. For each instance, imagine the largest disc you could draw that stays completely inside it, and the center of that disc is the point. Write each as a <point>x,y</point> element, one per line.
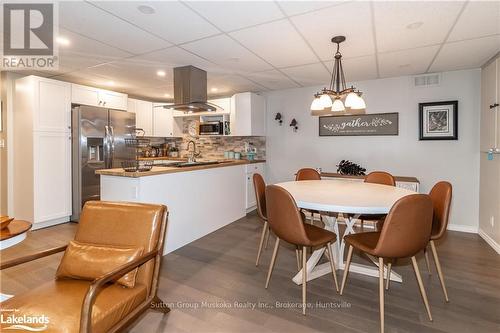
<point>213,147</point>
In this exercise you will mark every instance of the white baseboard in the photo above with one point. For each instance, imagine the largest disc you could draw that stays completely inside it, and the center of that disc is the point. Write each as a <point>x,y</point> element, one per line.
<point>491,242</point>
<point>50,223</point>
<point>463,228</point>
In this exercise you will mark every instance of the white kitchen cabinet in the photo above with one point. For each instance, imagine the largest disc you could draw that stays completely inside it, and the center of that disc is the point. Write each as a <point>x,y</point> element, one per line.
<point>98,97</point>
<point>250,170</point>
<point>143,115</point>
<point>165,125</point>
<point>54,105</point>
<point>42,146</point>
<point>223,103</point>
<point>52,176</point>
<point>248,115</point>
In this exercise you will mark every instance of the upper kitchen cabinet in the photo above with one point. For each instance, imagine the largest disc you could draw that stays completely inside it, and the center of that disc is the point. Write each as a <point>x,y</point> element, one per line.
<point>50,104</point>
<point>223,103</point>
<point>143,114</point>
<point>248,115</point>
<point>164,122</point>
<point>42,139</point>
<point>98,97</point>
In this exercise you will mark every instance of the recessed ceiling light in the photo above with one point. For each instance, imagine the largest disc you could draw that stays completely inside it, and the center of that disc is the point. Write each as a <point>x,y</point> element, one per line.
<point>146,9</point>
<point>414,25</point>
<point>110,83</point>
<point>214,89</point>
<point>161,73</point>
<point>167,95</point>
<point>62,41</point>
<point>405,66</point>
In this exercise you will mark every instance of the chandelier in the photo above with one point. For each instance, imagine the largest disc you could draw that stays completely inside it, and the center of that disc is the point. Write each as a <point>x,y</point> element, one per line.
<point>337,98</point>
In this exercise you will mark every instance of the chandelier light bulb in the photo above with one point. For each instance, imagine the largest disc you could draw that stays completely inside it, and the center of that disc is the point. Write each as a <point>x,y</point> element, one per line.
<point>326,101</point>
<point>350,100</point>
<point>316,104</point>
<point>338,106</point>
<point>358,104</point>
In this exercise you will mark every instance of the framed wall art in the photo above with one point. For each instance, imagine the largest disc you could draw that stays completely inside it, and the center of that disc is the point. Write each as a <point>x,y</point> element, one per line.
<point>438,120</point>
<point>359,125</point>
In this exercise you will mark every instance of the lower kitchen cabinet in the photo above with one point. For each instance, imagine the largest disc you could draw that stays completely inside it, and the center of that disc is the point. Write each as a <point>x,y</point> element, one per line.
<point>52,176</point>
<point>251,169</point>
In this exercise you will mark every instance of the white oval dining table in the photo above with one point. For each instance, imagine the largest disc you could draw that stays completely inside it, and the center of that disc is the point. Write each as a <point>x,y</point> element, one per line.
<point>350,198</point>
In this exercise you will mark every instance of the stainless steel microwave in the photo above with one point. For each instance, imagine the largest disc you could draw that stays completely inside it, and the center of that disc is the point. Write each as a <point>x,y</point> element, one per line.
<point>211,128</point>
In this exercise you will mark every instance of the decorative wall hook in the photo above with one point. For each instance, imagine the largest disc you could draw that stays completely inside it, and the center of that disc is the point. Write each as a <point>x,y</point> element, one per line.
<point>279,118</point>
<point>294,125</point>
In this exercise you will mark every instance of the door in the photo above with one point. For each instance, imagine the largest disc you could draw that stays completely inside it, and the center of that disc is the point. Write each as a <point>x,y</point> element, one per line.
<point>122,126</point>
<point>89,153</point>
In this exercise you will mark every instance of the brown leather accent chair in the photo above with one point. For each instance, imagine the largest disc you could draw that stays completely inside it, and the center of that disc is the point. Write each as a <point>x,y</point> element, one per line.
<point>382,178</point>
<point>440,194</point>
<point>309,174</point>
<point>287,223</point>
<point>260,194</point>
<point>405,233</point>
<point>101,305</point>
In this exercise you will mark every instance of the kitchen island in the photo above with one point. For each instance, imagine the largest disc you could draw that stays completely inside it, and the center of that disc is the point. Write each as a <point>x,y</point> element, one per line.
<point>200,199</point>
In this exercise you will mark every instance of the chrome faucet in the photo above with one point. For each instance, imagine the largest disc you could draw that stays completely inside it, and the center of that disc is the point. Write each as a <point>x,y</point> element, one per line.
<point>193,154</point>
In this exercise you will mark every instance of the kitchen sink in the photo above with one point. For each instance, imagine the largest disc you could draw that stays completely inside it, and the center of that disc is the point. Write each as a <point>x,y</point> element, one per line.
<point>190,164</point>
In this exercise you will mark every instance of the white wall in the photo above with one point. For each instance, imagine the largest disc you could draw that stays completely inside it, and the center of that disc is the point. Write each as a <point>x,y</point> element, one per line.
<point>402,155</point>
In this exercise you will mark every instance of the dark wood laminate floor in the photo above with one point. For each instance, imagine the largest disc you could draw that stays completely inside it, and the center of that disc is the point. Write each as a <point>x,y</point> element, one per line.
<point>212,285</point>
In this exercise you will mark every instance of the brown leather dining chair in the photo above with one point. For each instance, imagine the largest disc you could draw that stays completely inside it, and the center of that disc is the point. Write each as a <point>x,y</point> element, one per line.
<point>91,292</point>
<point>309,174</point>
<point>260,195</point>
<point>287,223</point>
<point>382,178</point>
<point>441,195</point>
<point>405,233</point>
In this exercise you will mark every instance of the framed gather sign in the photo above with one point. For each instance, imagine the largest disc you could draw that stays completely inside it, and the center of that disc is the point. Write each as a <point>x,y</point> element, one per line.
<point>359,125</point>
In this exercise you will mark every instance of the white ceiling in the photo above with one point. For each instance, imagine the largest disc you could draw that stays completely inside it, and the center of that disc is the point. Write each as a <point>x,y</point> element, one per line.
<point>267,45</point>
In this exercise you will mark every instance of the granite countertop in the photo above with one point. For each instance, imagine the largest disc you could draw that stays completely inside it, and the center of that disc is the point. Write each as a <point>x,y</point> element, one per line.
<point>159,170</point>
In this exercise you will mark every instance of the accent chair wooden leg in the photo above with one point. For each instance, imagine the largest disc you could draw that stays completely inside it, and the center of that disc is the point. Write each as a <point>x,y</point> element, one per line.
<point>158,305</point>
<point>346,268</point>
<point>426,256</point>
<point>299,257</point>
<point>262,236</point>
<point>381,291</point>
<point>388,278</point>
<point>421,286</point>
<point>439,270</point>
<point>332,264</point>
<point>304,279</point>
<point>268,233</point>
<point>273,259</point>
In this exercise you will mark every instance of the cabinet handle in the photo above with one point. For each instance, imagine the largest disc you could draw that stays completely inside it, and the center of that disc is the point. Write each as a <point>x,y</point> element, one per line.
<point>494,105</point>
<point>104,103</point>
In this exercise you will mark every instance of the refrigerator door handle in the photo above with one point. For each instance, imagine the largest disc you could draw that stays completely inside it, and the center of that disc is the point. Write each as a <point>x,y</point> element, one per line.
<point>112,143</point>
<point>107,147</point>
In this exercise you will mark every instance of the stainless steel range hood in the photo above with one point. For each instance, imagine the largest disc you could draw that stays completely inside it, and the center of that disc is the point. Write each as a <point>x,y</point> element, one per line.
<point>190,90</point>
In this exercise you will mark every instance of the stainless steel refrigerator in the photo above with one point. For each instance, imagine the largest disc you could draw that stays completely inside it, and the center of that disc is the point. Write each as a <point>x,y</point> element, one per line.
<point>98,142</point>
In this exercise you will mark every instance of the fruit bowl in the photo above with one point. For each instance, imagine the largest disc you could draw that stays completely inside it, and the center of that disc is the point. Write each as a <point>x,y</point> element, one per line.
<point>4,221</point>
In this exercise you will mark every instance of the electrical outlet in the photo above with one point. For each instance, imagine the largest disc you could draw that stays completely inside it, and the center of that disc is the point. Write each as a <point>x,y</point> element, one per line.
<point>492,221</point>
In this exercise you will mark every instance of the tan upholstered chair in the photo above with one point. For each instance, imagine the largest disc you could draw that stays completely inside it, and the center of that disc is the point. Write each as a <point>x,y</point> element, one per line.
<point>101,305</point>
<point>287,223</point>
<point>441,195</point>
<point>382,178</point>
<point>405,233</point>
<point>260,195</point>
<point>309,174</point>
